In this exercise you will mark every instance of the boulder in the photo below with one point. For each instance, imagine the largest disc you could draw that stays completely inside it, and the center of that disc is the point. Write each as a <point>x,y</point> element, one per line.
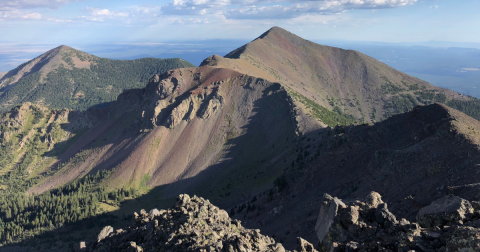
<point>154,212</point>
<point>445,211</point>
<point>104,233</point>
<point>373,199</point>
<point>328,212</point>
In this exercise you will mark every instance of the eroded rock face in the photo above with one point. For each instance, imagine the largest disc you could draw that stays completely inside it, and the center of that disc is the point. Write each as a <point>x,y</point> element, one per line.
<point>445,211</point>
<point>193,224</point>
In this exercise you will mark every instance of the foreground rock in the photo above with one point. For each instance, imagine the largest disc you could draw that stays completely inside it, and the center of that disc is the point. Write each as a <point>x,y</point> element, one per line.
<point>445,211</point>
<point>448,224</point>
<point>193,224</point>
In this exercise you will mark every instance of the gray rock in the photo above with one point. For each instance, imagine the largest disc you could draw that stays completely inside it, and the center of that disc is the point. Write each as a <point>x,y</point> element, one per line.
<point>183,199</point>
<point>104,233</point>
<point>464,239</point>
<point>475,205</point>
<point>328,212</point>
<point>373,199</point>
<point>431,234</point>
<point>444,211</point>
<point>474,224</point>
<point>384,216</point>
<point>154,212</point>
<point>304,246</point>
<point>349,215</point>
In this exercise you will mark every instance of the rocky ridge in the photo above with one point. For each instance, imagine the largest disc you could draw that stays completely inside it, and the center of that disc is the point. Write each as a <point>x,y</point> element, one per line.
<point>447,224</point>
<point>193,224</point>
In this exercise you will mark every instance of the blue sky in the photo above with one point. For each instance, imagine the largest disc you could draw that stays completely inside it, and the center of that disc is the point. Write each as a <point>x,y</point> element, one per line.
<point>148,21</point>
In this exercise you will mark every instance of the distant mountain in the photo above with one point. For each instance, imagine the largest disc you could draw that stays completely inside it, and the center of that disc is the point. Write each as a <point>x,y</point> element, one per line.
<point>343,81</point>
<point>68,78</point>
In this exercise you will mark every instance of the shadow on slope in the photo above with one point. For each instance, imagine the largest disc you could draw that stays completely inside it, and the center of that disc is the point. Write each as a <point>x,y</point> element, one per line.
<point>411,159</point>
<point>250,163</point>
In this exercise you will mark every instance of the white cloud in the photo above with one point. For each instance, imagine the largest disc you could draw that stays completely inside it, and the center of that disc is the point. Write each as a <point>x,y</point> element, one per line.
<point>19,15</point>
<point>99,15</point>
<point>30,4</point>
<point>274,9</point>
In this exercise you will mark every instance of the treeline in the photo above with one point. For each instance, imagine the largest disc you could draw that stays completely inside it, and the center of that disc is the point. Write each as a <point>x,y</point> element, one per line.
<point>330,118</point>
<point>23,216</point>
<point>470,107</point>
<point>82,88</point>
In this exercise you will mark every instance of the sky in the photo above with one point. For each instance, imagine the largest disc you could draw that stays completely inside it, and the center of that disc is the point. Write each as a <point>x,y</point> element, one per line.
<point>149,22</point>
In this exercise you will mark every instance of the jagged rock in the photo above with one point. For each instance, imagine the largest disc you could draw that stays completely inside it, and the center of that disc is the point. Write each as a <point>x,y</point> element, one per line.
<point>212,106</point>
<point>464,239</point>
<point>154,212</point>
<point>377,229</point>
<point>349,216</point>
<point>328,212</point>
<point>193,224</point>
<point>104,233</point>
<point>304,246</point>
<point>183,199</point>
<point>444,211</point>
<point>384,216</point>
<point>373,199</point>
<point>366,226</point>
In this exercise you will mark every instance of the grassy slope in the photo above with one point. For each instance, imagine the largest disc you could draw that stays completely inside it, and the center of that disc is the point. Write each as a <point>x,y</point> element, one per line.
<point>337,79</point>
<point>68,78</point>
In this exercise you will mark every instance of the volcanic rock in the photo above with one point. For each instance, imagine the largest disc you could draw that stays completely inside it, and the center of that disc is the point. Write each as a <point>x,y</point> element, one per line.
<point>445,211</point>
<point>193,224</point>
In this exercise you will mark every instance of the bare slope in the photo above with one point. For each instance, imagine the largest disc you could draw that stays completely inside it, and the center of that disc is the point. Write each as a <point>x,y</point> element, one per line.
<point>344,81</point>
<point>241,128</point>
<point>411,159</point>
<point>68,78</point>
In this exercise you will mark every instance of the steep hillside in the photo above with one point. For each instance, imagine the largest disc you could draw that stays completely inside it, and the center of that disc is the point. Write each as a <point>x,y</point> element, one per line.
<point>67,78</point>
<point>184,122</point>
<point>411,159</point>
<point>231,129</point>
<point>343,81</point>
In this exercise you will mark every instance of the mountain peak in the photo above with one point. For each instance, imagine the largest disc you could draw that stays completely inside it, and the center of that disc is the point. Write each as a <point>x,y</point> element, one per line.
<point>58,49</point>
<point>63,47</point>
<point>275,31</point>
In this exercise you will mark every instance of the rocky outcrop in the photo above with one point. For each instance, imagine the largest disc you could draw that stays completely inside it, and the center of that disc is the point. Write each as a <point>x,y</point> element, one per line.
<point>448,224</point>
<point>193,224</point>
<point>444,211</point>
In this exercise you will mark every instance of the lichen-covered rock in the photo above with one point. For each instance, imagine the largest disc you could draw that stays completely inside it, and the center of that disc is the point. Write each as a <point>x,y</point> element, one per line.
<point>465,239</point>
<point>445,211</point>
<point>193,224</point>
